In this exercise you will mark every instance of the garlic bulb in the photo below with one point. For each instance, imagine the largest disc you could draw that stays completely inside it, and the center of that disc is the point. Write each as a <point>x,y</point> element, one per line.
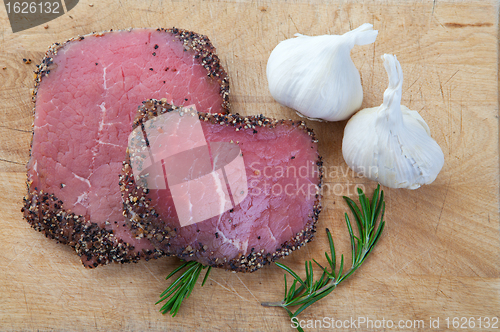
<point>392,144</point>
<point>316,76</point>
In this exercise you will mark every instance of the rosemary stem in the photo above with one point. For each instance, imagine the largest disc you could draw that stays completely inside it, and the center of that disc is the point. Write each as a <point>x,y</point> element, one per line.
<point>272,304</point>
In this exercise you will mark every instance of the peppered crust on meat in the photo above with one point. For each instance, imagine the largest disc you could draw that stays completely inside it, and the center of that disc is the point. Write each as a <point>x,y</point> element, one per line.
<point>95,245</point>
<point>145,220</point>
<point>203,50</point>
<point>98,243</point>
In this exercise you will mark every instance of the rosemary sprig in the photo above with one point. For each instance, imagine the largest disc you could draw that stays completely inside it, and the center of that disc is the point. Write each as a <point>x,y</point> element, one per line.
<point>305,292</point>
<point>182,287</point>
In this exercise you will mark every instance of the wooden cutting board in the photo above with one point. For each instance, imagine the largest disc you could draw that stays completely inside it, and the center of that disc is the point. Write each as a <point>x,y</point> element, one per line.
<point>440,254</point>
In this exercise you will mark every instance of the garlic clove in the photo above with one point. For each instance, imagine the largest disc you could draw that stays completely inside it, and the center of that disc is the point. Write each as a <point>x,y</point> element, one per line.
<point>316,76</point>
<point>392,144</point>
<point>417,117</point>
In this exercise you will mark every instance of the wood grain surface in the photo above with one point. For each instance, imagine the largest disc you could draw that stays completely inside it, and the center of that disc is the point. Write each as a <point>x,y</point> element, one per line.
<point>440,254</point>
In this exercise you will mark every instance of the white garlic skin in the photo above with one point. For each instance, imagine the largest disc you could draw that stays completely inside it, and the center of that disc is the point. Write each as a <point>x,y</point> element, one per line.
<point>392,144</point>
<point>316,76</point>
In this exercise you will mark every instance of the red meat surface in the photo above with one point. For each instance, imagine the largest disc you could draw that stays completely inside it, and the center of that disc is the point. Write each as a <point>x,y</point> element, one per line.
<point>274,214</point>
<point>86,97</point>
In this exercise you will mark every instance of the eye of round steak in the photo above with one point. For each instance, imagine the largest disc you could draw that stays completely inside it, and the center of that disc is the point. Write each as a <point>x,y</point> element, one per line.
<point>225,190</point>
<point>86,96</point>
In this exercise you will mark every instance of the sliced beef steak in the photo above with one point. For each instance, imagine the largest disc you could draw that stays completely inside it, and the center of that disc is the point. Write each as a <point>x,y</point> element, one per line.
<point>257,200</point>
<point>86,97</point>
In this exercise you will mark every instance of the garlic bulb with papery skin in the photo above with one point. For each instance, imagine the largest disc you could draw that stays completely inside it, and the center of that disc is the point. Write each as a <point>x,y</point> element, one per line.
<point>316,76</point>
<point>392,144</point>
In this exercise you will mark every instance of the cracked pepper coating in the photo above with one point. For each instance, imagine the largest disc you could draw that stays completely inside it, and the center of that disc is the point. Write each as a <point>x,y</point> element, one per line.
<point>278,215</point>
<point>86,96</point>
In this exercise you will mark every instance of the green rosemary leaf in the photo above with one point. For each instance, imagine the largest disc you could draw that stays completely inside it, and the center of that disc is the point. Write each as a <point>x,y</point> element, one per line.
<point>310,282</point>
<point>170,290</point>
<point>364,208</point>
<point>182,287</point>
<point>176,282</point>
<point>374,203</point>
<point>206,276</point>
<point>365,204</point>
<point>380,207</point>
<point>351,235</point>
<point>333,259</point>
<point>193,279</point>
<point>377,236</point>
<point>321,281</point>
<point>291,293</point>
<point>319,265</point>
<point>286,288</point>
<point>290,313</point>
<point>341,268</point>
<point>308,276</point>
<point>332,267</point>
<point>380,226</point>
<point>359,250</point>
<point>173,287</point>
<point>289,270</point>
<point>357,215</point>
<point>180,268</point>
<point>314,300</point>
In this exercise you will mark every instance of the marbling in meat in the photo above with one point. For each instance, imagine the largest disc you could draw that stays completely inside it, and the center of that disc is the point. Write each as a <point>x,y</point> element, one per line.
<point>274,214</point>
<point>86,97</point>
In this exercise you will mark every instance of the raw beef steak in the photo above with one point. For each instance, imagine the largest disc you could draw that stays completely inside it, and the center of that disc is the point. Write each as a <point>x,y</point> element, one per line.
<point>86,96</point>
<point>228,191</point>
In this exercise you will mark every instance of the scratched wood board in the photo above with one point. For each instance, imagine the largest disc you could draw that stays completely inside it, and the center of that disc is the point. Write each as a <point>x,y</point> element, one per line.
<point>439,255</point>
